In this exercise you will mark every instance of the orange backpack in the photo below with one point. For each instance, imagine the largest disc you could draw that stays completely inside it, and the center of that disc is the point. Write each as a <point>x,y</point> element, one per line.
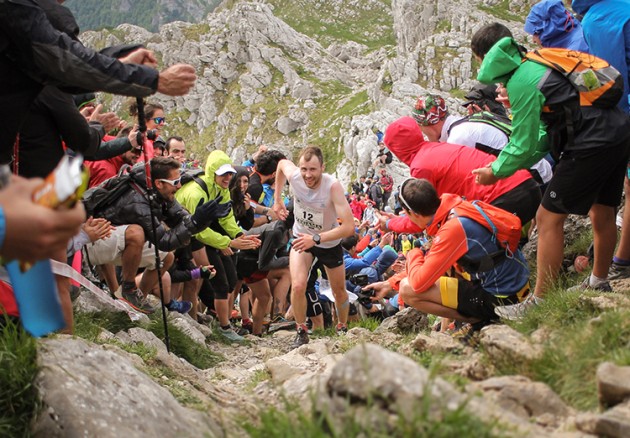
<point>598,83</point>
<point>504,226</point>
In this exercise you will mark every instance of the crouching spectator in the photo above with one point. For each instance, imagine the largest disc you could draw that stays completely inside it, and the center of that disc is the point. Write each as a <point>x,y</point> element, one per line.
<point>457,240</point>
<point>131,243</point>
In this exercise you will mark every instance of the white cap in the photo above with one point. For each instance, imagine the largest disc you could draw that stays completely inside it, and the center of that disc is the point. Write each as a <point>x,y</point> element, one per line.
<point>226,168</point>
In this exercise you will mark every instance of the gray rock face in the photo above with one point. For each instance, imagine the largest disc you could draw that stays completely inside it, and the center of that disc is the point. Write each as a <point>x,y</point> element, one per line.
<point>525,398</point>
<point>408,320</point>
<point>88,391</point>
<point>613,384</point>
<point>504,343</point>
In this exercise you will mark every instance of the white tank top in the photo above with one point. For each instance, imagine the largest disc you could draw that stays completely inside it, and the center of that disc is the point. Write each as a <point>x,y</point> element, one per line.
<point>314,210</point>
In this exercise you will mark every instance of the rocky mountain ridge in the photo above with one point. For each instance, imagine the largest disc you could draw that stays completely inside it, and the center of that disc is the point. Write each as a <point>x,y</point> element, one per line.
<point>262,81</point>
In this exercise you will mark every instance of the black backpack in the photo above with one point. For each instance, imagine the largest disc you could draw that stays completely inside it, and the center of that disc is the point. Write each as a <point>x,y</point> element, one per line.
<point>97,199</point>
<point>189,175</point>
<point>503,124</point>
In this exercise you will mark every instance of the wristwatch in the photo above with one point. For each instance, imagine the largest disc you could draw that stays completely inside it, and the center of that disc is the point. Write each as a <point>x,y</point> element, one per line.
<point>269,219</point>
<point>317,239</point>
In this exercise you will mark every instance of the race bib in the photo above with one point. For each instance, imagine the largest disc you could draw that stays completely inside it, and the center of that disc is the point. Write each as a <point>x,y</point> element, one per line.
<point>309,217</point>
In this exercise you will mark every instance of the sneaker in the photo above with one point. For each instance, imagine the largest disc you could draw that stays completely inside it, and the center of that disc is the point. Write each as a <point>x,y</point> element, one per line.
<point>618,272</point>
<point>341,329</point>
<point>301,337</point>
<point>241,331</point>
<point>203,318</point>
<point>516,311</point>
<point>586,285</point>
<point>247,325</point>
<point>137,301</point>
<point>231,335</point>
<point>179,306</point>
<point>466,334</point>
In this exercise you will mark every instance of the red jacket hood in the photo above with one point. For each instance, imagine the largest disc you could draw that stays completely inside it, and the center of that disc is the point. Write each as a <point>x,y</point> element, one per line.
<point>404,137</point>
<point>449,201</point>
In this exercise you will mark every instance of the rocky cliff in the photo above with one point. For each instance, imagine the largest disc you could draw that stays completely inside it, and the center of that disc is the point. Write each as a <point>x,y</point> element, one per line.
<point>310,72</point>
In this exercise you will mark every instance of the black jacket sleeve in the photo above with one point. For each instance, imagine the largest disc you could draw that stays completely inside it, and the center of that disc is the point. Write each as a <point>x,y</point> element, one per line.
<point>133,208</point>
<point>111,149</point>
<point>51,57</point>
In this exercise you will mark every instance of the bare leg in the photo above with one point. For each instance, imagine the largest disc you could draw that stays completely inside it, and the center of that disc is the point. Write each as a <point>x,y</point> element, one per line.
<point>300,267</point>
<point>262,296</point>
<point>63,289</point>
<point>149,281</point>
<point>337,279</point>
<point>132,254</point>
<point>108,273</point>
<point>604,238</point>
<point>282,280</point>
<point>190,291</point>
<point>430,301</point>
<point>623,250</point>
<point>550,248</point>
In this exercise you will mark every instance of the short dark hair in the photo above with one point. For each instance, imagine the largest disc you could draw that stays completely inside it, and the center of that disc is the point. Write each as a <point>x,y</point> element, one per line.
<point>267,162</point>
<point>162,166</point>
<point>349,242</point>
<point>486,37</point>
<point>310,152</point>
<point>421,197</point>
<point>168,141</point>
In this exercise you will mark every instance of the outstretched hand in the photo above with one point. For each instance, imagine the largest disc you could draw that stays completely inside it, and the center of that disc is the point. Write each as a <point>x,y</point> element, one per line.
<point>177,80</point>
<point>485,176</point>
<point>207,212</point>
<point>280,210</point>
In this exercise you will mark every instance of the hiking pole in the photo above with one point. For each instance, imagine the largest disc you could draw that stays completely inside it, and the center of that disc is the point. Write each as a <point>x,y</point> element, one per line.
<point>142,128</point>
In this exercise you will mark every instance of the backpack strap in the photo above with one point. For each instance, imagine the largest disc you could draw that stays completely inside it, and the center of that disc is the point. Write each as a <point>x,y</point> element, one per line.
<point>203,184</point>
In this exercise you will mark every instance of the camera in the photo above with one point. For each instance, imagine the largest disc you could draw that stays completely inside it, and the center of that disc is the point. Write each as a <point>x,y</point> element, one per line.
<point>152,134</point>
<point>360,279</point>
<point>365,295</point>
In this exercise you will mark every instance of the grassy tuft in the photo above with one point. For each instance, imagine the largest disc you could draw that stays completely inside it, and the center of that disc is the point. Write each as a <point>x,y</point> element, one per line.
<point>183,346</point>
<point>89,325</point>
<point>583,337</point>
<point>292,420</point>
<point>19,400</point>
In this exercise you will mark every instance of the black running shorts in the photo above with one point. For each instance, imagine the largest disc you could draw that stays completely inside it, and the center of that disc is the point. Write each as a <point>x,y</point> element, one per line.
<point>586,177</point>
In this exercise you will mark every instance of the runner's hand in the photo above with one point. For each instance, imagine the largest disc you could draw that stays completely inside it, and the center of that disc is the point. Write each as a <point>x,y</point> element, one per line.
<point>303,242</point>
<point>280,210</point>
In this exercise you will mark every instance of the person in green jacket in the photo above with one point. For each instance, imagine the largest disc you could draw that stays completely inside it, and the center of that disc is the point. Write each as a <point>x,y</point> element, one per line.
<point>590,144</point>
<point>214,245</point>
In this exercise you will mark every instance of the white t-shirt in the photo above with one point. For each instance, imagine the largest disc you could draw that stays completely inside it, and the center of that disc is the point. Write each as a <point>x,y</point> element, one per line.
<point>314,210</point>
<point>473,133</point>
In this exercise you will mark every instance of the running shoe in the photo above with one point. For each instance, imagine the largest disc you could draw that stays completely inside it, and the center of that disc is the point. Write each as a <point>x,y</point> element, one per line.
<point>586,285</point>
<point>341,329</point>
<point>466,334</point>
<point>179,306</point>
<point>231,335</point>
<point>516,311</point>
<point>301,337</point>
<point>247,325</point>
<point>137,301</point>
<point>618,272</point>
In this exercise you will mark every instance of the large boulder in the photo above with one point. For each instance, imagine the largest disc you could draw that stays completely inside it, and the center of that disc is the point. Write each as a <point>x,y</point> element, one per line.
<point>88,391</point>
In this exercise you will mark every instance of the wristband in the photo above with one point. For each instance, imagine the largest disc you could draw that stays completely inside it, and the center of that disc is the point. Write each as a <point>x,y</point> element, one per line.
<point>196,273</point>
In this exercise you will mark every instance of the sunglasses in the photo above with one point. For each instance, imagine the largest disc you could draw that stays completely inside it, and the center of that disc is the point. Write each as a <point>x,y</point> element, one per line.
<point>159,120</point>
<point>173,182</point>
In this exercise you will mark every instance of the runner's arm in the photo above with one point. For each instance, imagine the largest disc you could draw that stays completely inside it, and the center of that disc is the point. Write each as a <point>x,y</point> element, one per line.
<point>342,208</point>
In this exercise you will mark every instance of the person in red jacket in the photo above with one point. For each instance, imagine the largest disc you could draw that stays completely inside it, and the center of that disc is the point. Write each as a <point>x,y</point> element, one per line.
<point>448,167</point>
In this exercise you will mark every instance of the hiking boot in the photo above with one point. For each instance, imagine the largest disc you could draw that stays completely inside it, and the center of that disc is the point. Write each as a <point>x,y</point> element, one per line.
<point>301,337</point>
<point>137,301</point>
<point>179,306</point>
<point>514,312</point>
<point>231,335</point>
<point>586,285</point>
<point>203,318</point>
<point>618,272</point>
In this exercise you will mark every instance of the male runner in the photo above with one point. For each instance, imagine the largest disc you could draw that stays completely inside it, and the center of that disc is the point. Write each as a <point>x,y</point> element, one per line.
<point>318,200</point>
